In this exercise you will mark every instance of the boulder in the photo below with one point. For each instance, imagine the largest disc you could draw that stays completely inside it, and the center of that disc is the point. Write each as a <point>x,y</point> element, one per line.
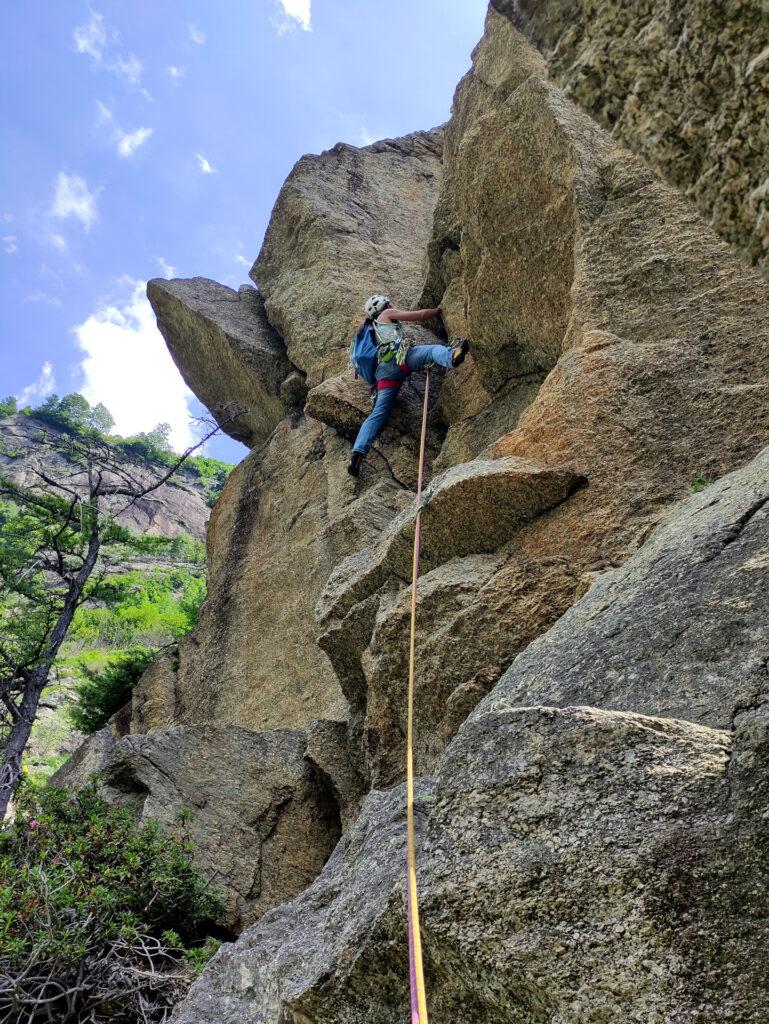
<point>226,351</point>
<point>261,818</point>
<point>575,865</point>
<point>681,84</point>
<point>347,224</point>
<point>473,508</point>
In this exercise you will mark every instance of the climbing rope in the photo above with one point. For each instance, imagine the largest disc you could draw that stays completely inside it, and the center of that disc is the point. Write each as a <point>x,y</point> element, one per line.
<point>416,974</point>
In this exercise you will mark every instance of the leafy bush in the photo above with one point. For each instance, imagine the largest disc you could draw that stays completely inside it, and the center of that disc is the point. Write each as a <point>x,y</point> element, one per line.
<point>100,920</point>
<point>212,472</point>
<point>8,406</point>
<point>147,608</point>
<point>104,691</point>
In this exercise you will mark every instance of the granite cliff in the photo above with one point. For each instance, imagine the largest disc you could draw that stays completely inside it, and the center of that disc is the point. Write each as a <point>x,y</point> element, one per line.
<point>592,640</point>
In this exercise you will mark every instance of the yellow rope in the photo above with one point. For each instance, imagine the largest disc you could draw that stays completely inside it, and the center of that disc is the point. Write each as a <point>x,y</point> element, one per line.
<point>416,975</point>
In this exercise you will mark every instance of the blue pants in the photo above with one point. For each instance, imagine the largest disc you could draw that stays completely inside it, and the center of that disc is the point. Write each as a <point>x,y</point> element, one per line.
<point>416,359</point>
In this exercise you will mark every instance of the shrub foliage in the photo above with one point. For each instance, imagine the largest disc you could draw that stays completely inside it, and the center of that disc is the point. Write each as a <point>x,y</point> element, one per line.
<point>101,920</point>
<point>104,691</point>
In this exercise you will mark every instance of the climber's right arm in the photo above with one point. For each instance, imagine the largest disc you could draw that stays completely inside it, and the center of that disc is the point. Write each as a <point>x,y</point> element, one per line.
<point>417,315</point>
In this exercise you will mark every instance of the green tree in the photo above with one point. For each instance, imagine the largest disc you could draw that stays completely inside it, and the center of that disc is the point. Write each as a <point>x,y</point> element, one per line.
<point>100,418</point>
<point>104,691</point>
<point>8,406</point>
<point>55,543</point>
<point>75,409</point>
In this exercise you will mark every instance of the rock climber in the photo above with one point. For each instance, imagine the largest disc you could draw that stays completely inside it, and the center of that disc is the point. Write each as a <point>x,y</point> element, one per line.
<point>395,361</point>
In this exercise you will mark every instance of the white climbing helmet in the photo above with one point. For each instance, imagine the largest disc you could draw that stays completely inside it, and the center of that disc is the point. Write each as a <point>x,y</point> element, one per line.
<point>375,305</point>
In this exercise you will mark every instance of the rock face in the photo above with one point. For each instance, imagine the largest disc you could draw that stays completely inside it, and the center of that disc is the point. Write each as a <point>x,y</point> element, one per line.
<point>273,539</point>
<point>622,341</point>
<point>686,85</point>
<point>597,863</point>
<point>226,351</point>
<point>260,816</point>
<point>347,224</point>
<point>576,866</point>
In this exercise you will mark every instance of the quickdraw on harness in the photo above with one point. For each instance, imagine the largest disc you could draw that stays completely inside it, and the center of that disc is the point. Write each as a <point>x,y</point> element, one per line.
<point>395,348</point>
<point>416,974</point>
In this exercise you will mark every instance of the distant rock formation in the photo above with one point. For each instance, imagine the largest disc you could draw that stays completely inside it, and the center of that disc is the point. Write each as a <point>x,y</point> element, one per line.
<point>179,506</point>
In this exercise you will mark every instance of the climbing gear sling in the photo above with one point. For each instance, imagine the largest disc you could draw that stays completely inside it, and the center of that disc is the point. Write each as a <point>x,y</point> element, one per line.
<point>391,342</point>
<point>416,975</point>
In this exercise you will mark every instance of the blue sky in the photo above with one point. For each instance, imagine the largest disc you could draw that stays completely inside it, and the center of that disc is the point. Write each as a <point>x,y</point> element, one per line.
<point>150,138</point>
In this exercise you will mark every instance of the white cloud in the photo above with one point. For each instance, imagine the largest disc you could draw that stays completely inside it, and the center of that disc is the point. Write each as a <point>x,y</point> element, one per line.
<point>11,244</point>
<point>167,269</point>
<point>105,114</point>
<point>96,41</point>
<point>91,38</point>
<point>292,14</point>
<point>126,143</point>
<point>58,242</point>
<point>205,166</point>
<point>73,198</point>
<point>129,142</point>
<point>126,366</point>
<point>176,73</point>
<point>242,259</point>
<point>44,386</point>
<point>38,295</point>
<point>130,68</point>
<point>196,35</point>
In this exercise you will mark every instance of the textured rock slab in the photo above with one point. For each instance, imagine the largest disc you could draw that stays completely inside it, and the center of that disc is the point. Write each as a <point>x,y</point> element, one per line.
<point>346,224</point>
<point>685,84</point>
<point>226,351</point>
<point>557,877</point>
<point>288,514</point>
<point>469,509</point>
<point>682,629</point>
<point>261,819</point>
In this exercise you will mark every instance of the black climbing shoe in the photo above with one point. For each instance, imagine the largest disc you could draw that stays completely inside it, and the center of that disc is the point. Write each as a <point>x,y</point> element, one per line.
<point>353,466</point>
<point>459,352</point>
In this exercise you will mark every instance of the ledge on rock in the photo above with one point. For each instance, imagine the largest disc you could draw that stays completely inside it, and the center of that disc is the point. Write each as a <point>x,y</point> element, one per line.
<point>473,508</point>
<point>574,865</point>
<point>226,351</point>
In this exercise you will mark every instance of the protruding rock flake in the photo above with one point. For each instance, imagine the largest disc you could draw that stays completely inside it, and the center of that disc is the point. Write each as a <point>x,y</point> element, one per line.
<point>226,351</point>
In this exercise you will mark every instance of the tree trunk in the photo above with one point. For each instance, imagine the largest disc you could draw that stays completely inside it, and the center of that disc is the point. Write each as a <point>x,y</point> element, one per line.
<point>38,678</point>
